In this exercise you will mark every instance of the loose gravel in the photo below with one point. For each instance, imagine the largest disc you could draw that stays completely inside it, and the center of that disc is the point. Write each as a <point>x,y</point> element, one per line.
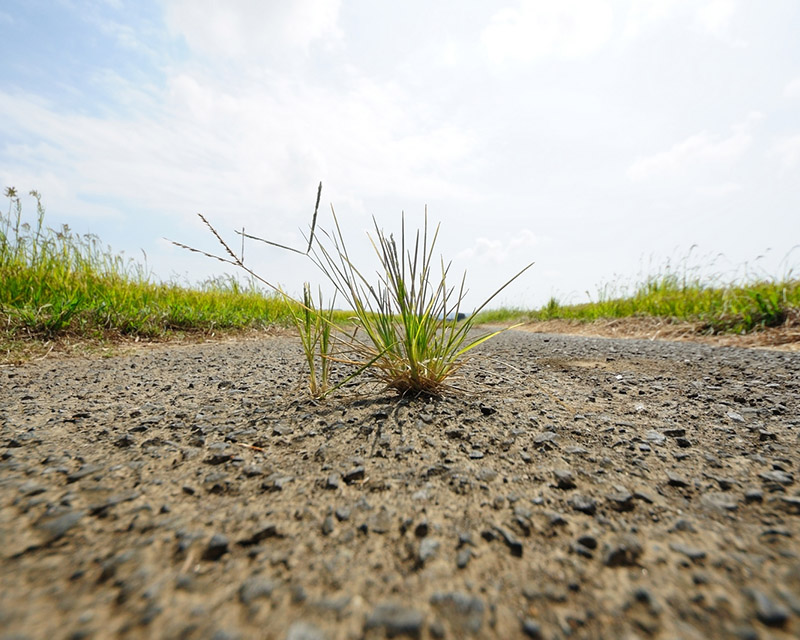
<point>570,487</point>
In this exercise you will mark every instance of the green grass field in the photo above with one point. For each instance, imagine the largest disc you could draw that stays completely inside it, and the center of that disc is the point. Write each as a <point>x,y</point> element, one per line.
<point>718,307</point>
<point>55,283</point>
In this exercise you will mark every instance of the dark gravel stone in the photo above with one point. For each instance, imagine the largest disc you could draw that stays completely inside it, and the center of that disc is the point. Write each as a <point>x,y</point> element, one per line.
<point>683,525</point>
<point>720,501</point>
<point>545,440</point>
<point>690,552</point>
<point>584,504</point>
<point>333,481</point>
<point>463,557</point>
<point>342,513</point>
<point>219,458</point>
<point>428,548</point>
<point>532,629</point>
<point>624,552</point>
<point>768,611</point>
<point>588,541</point>
<point>266,530</point>
<point>30,488</point>
<point>621,500</point>
<point>102,508</point>
<point>395,620</point>
<point>487,410</point>
<point>463,611</point>
<point>380,522</point>
<point>514,545</point>
<point>302,630</point>
<point>85,470</point>
<point>226,634</point>
<point>487,474</point>
<point>253,470</point>
<point>777,477</point>
<point>55,528</point>
<point>124,442</point>
<point>676,480</point>
<point>354,474</point>
<point>564,479</point>
<point>754,495</point>
<point>254,588</point>
<point>556,519</point>
<point>791,504</point>
<point>276,482</point>
<point>216,547</point>
<point>282,430</point>
<point>437,630</point>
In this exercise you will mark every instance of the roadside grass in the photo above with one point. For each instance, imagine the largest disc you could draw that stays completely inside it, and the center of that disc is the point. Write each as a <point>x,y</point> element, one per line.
<point>58,285</point>
<point>55,283</point>
<point>717,307</point>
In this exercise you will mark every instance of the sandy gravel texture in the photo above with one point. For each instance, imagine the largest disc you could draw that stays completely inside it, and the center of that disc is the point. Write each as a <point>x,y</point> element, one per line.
<point>572,487</point>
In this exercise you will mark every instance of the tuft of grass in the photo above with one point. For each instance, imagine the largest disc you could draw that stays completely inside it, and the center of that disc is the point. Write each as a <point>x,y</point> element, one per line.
<point>55,283</point>
<point>402,332</point>
<point>409,343</point>
<point>314,325</point>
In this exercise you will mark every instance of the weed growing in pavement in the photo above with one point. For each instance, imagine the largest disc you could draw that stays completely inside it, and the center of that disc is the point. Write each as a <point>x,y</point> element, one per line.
<point>314,324</point>
<point>402,334</point>
<point>409,341</point>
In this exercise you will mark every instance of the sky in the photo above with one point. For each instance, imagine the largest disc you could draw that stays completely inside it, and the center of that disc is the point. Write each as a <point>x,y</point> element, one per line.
<point>603,140</point>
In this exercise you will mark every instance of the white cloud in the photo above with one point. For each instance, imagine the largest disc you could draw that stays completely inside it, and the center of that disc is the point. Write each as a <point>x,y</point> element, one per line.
<point>715,17</point>
<point>788,151</point>
<point>792,88</point>
<point>243,147</point>
<point>498,251</point>
<point>252,28</point>
<point>699,150</point>
<point>538,29</point>
<point>710,17</point>
<point>722,190</point>
<point>645,14</point>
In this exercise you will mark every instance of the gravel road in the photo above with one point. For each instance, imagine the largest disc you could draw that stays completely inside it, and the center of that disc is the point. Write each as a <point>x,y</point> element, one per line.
<point>569,488</point>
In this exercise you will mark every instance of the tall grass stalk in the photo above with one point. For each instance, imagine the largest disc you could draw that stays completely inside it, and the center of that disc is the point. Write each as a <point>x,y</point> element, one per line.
<point>408,343</point>
<point>413,347</point>
<point>314,324</point>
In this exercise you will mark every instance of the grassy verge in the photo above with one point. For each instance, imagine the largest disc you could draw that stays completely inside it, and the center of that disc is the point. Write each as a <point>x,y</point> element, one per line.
<point>57,284</point>
<point>716,307</point>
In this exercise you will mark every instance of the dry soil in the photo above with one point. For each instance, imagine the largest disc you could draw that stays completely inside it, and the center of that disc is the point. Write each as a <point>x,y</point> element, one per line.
<point>570,487</point>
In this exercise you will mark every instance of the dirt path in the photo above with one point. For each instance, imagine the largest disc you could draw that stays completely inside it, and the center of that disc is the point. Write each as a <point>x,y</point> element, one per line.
<point>574,488</point>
